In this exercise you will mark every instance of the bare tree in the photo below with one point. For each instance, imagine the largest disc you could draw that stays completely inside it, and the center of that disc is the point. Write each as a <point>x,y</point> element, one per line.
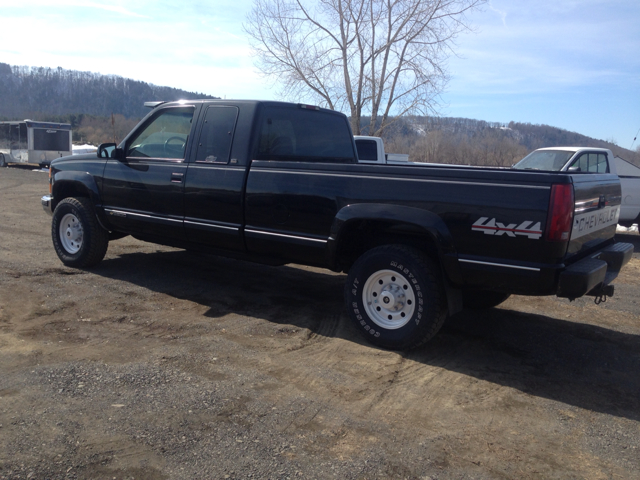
<point>375,57</point>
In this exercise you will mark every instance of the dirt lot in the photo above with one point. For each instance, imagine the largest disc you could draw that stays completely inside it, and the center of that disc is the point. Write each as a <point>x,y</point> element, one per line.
<point>160,364</point>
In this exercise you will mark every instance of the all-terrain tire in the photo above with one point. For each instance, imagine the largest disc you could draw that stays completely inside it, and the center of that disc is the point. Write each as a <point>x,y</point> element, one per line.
<point>395,297</point>
<point>482,299</point>
<point>78,238</point>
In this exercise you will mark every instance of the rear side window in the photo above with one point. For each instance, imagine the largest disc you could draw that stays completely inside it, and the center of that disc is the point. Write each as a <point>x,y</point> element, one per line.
<point>307,135</point>
<point>214,145</point>
<point>591,163</point>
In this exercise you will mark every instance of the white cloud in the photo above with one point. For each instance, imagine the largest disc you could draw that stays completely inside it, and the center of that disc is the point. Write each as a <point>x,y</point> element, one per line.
<point>111,8</point>
<point>44,5</point>
<point>501,13</point>
<point>546,47</point>
<point>523,50</point>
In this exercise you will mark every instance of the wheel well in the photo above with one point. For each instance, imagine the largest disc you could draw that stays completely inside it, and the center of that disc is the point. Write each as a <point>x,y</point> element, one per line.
<point>359,236</point>
<point>67,190</point>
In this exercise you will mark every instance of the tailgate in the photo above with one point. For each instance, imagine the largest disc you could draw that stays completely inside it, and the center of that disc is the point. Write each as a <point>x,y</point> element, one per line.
<point>596,213</point>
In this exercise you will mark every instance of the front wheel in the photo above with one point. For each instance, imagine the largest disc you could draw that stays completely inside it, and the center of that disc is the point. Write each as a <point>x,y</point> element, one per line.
<point>3,161</point>
<point>78,238</point>
<point>395,297</point>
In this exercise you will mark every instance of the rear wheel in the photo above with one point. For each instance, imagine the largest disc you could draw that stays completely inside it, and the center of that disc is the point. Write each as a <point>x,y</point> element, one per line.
<point>395,297</point>
<point>78,238</point>
<point>482,299</point>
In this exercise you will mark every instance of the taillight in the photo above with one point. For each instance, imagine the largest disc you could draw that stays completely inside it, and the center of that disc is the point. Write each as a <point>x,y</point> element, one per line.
<point>560,219</point>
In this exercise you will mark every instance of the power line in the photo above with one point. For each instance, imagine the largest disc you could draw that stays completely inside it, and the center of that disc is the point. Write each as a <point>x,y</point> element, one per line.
<point>634,139</point>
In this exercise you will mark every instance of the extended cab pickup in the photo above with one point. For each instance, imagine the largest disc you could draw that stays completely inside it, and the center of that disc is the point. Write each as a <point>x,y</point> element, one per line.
<point>591,160</point>
<point>281,183</point>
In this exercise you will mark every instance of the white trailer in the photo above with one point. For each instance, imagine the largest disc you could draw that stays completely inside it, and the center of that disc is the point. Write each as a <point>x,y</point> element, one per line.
<point>33,142</point>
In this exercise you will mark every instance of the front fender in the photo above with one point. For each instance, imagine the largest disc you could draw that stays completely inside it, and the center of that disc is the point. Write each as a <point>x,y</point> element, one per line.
<point>74,183</point>
<point>70,183</point>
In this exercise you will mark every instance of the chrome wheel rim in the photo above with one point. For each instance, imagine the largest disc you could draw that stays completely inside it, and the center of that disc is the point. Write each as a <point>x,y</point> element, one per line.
<point>389,299</point>
<point>71,233</point>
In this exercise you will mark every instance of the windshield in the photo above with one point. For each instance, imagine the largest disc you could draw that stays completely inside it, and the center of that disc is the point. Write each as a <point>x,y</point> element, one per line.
<point>552,160</point>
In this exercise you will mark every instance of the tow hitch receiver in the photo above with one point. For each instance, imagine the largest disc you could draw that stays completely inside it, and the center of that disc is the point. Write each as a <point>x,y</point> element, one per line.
<point>601,293</point>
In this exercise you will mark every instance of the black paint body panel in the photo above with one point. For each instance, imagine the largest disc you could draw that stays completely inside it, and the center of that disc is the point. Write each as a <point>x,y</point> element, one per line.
<point>295,210</point>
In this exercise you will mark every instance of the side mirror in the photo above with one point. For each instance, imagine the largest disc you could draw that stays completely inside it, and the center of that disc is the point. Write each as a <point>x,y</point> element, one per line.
<point>110,150</point>
<point>105,150</point>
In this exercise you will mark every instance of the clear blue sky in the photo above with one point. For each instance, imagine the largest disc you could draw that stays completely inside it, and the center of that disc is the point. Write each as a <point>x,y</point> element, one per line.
<point>570,64</point>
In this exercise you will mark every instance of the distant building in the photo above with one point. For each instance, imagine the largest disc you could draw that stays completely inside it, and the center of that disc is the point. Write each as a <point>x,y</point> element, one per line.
<point>626,169</point>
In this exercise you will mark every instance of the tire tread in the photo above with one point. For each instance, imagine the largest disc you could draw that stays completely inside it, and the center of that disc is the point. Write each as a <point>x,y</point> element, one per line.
<point>426,330</point>
<point>96,238</point>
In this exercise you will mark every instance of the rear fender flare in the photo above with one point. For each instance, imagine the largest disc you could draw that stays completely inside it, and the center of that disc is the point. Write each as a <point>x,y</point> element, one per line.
<point>424,220</point>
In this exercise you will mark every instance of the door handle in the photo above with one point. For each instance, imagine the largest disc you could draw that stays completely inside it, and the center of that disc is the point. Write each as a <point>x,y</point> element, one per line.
<point>177,177</point>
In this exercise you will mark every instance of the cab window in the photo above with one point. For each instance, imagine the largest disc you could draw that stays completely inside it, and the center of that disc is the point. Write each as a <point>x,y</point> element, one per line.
<point>296,133</point>
<point>591,163</point>
<point>164,136</point>
<point>214,145</point>
<point>367,150</point>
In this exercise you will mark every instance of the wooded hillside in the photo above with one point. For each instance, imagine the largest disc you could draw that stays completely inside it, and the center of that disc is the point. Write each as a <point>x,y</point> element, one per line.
<point>476,142</point>
<point>88,100</point>
<point>29,92</point>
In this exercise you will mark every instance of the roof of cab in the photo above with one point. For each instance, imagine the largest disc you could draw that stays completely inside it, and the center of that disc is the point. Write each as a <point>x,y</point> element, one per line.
<point>576,149</point>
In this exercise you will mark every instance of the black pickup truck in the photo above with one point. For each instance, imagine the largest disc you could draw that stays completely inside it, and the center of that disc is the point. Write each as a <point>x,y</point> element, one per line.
<point>280,183</point>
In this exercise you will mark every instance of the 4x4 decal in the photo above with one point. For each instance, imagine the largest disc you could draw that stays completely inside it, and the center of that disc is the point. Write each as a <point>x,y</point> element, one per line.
<point>491,227</point>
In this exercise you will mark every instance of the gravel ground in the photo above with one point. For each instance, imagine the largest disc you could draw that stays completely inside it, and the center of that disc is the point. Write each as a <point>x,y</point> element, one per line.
<point>160,364</point>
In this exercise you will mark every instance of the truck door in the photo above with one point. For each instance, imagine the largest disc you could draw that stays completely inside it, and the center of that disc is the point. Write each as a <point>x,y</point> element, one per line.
<point>143,192</point>
<point>213,188</point>
<point>298,180</point>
